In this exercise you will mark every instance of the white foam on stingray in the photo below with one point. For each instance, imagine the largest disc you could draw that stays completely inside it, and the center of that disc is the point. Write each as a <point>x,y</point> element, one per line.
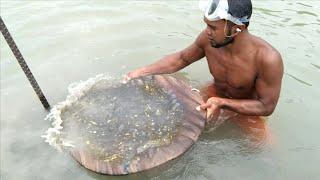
<point>76,91</point>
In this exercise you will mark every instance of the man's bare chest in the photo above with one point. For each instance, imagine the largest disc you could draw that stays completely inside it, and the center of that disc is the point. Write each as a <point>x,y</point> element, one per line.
<point>234,72</point>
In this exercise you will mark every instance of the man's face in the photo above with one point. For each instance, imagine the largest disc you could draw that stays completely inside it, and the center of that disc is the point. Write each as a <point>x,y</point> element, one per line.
<point>216,35</point>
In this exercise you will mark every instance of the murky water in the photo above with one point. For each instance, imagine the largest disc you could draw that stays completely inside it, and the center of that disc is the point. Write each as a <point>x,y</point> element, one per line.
<point>68,41</point>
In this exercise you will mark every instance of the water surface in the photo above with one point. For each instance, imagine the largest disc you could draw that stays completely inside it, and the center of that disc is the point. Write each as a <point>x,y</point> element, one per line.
<point>68,41</point>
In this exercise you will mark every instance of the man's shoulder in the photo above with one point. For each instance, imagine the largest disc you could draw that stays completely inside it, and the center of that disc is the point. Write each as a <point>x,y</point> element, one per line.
<point>267,55</point>
<point>202,40</point>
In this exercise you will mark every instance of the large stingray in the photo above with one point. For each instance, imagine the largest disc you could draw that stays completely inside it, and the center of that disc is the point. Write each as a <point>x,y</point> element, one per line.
<point>114,128</point>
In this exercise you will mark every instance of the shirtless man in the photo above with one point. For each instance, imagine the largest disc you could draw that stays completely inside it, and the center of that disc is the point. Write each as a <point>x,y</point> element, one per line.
<point>247,70</point>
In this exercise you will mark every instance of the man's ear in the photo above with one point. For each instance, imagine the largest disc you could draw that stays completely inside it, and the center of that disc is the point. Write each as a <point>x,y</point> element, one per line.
<point>233,29</point>
<point>238,29</point>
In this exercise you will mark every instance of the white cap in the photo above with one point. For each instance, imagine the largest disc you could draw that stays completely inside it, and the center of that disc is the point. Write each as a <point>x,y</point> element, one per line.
<point>215,10</point>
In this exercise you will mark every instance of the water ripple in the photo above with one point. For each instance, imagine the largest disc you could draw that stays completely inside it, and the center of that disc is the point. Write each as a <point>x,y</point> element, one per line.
<point>299,80</point>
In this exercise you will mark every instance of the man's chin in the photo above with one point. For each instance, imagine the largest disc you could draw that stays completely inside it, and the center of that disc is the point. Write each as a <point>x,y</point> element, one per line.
<point>214,45</point>
<point>220,45</point>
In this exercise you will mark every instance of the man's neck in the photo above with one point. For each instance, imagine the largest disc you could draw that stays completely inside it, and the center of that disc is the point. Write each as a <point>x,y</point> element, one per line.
<point>240,42</point>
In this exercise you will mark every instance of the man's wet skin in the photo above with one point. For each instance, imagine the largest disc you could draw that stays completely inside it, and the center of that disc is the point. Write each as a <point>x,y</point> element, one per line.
<point>247,71</point>
<point>234,73</point>
<point>254,127</point>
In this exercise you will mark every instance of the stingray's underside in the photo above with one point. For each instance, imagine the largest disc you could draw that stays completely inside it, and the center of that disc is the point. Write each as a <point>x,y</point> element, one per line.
<point>126,128</point>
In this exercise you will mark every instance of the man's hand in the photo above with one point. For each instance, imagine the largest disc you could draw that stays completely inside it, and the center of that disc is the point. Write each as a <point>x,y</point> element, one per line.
<point>212,106</point>
<point>131,75</point>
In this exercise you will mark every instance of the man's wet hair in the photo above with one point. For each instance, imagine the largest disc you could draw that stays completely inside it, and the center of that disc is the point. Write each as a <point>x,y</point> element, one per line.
<point>240,8</point>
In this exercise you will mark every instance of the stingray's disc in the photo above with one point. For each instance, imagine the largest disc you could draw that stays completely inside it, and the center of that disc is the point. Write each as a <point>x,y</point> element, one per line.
<point>119,128</point>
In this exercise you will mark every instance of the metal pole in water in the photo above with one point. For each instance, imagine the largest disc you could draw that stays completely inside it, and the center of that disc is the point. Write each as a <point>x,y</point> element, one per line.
<point>23,64</point>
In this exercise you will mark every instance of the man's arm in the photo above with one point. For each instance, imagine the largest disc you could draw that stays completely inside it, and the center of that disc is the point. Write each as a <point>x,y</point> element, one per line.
<point>268,85</point>
<point>173,62</point>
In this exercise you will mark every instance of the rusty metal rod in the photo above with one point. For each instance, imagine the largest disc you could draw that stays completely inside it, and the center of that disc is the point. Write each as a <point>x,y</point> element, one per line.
<point>23,64</point>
